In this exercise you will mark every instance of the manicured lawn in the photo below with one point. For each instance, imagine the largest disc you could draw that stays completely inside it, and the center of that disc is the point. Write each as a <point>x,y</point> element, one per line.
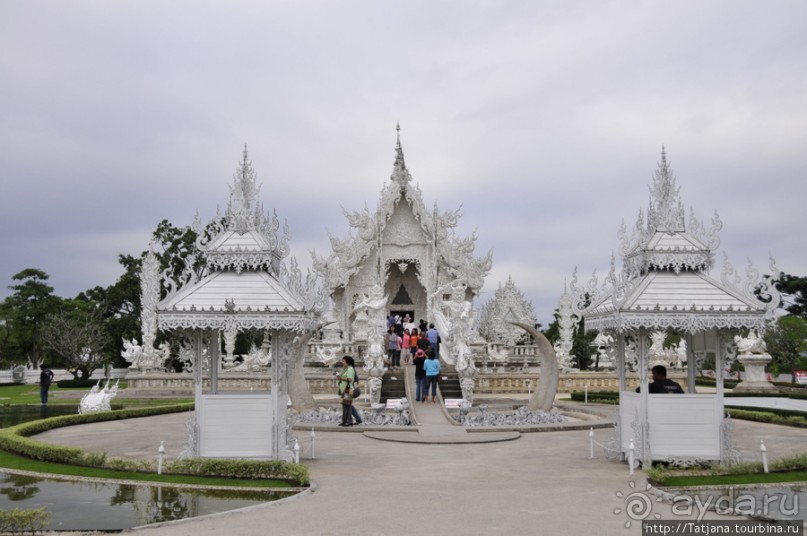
<point>725,480</point>
<point>29,394</point>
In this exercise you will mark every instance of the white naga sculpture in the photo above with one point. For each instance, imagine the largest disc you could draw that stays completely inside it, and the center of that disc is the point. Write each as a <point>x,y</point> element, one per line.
<point>374,303</point>
<point>453,318</point>
<point>98,399</point>
<point>256,360</point>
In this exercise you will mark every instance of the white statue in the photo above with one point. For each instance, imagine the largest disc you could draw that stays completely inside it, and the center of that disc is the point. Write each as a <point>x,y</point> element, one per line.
<point>98,399</point>
<point>256,360</point>
<point>453,319</point>
<point>328,355</point>
<point>374,303</point>
<point>132,352</point>
<point>752,344</point>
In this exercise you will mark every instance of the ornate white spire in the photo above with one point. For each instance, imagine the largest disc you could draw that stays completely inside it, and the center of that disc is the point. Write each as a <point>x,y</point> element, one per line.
<point>399,172</point>
<point>247,237</point>
<point>666,212</point>
<point>243,211</point>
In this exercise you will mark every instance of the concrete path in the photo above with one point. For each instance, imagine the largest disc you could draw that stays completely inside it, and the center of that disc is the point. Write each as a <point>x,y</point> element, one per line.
<point>542,483</point>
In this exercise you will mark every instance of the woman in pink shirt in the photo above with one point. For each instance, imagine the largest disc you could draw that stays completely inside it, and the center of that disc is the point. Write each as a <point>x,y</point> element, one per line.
<point>406,339</point>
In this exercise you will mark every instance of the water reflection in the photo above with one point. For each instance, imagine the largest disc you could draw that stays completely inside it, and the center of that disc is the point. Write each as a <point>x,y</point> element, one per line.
<point>21,488</point>
<point>107,506</point>
<point>13,415</point>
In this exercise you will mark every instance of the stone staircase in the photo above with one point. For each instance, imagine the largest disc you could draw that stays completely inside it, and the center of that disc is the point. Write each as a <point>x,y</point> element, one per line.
<point>393,388</point>
<point>450,383</point>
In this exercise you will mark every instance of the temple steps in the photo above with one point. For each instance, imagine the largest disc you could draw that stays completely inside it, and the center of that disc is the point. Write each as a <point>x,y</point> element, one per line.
<point>393,388</point>
<point>450,383</point>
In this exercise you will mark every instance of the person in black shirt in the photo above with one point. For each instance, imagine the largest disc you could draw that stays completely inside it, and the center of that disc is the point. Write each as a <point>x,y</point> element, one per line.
<point>45,379</point>
<point>660,384</point>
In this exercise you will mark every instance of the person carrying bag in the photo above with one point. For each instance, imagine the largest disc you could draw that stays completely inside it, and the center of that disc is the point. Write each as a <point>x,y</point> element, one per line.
<point>346,377</point>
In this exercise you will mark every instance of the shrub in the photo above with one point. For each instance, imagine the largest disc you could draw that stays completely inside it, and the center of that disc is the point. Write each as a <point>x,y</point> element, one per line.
<point>16,440</point>
<point>601,397</point>
<point>247,469</point>
<point>26,520</point>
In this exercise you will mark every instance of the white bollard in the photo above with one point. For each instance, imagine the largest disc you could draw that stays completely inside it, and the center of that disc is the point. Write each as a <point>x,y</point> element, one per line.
<point>312,444</point>
<point>631,456</point>
<point>529,387</point>
<point>764,450</point>
<point>160,456</point>
<point>591,443</point>
<point>296,451</point>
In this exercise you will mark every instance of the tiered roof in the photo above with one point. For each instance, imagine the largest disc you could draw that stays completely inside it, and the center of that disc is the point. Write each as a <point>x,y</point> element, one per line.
<point>241,285</point>
<point>665,282</point>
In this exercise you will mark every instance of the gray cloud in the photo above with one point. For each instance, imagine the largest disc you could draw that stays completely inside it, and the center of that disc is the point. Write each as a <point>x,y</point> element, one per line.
<point>545,122</point>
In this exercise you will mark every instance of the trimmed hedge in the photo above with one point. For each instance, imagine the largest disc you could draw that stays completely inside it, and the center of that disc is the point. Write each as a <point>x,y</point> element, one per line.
<point>596,397</point>
<point>17,441</point>
<point>770,416</point>
<point>83,384</point>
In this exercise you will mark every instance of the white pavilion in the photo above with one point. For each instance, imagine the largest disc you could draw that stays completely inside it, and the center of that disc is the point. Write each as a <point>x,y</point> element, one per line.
<point>237,286</point>
<point>665,285</point>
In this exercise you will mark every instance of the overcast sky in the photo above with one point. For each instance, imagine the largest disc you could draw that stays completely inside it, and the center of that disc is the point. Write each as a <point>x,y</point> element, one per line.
<point>544,120</point>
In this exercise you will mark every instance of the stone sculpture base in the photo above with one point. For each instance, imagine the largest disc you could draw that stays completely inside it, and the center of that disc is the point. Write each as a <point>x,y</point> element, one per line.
<point>755,379</point>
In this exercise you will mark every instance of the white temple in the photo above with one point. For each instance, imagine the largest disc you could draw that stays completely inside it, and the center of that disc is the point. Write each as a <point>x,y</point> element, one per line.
<point>412,252</point>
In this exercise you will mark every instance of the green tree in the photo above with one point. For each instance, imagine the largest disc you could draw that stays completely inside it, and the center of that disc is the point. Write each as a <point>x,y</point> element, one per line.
<point>24,312</point>
<point>581,341</point>
<point>794,290</point>
<point>787,344</point>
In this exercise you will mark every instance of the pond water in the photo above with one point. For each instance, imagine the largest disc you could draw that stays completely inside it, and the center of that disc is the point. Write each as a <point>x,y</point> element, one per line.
<point>111,507</point>
<point>108,506</point>
<point>13,415</point>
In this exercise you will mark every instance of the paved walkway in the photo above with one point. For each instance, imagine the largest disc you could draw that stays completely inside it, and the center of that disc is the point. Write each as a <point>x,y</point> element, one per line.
<point>540,483</point>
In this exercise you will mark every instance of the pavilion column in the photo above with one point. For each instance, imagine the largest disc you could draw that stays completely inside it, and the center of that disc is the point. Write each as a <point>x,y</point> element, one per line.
<point>214,352</point>
<point>197,340</point>
<point>644,426</point>
<point>620,359</point>
<point>692,364</point>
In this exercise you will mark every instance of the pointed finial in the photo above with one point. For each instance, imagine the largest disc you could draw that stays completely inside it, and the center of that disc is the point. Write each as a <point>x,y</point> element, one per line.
<point>399,172</point>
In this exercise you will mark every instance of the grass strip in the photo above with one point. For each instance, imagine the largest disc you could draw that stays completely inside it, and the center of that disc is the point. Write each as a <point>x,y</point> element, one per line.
<point>730,480</point>
<point>12,461</point>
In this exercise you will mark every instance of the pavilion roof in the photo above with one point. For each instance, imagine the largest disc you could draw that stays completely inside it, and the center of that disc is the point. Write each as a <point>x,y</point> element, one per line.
<point>665,283</point>
<point>239,284</point>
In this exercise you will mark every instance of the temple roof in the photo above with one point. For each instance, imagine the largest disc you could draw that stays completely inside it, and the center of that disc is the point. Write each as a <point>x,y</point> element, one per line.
<point>665,283</point>
<point>434,227</point>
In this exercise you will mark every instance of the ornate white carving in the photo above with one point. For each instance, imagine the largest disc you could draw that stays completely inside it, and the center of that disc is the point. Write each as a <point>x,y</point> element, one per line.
<point>750,344</point>
<point>453,319</point>
<point>256,360</point>
<point>374,303</point>
<point>98,399</point>
<point>402,232</point>
<point>508,305</point>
